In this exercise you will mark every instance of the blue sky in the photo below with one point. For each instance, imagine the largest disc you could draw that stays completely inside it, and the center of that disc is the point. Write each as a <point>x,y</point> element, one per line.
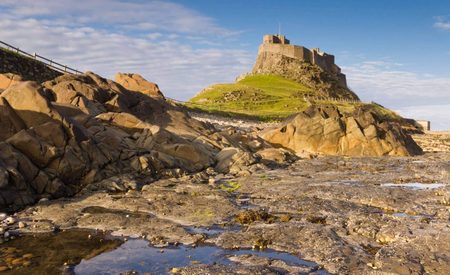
<point>393,52</point>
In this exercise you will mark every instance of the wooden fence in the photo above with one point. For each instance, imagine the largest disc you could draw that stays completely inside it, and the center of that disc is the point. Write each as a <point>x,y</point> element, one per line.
<point>47,62</point>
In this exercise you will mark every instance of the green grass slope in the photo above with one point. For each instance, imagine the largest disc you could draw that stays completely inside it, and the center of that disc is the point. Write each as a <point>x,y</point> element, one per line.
<point>262,96</point>
<point>268,97</point>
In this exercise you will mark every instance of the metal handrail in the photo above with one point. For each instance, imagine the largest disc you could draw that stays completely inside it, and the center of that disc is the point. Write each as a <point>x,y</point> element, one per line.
<point>48,62</point>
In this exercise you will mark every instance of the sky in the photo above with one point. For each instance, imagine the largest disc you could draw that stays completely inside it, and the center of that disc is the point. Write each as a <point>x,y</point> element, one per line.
<point>394,52</point>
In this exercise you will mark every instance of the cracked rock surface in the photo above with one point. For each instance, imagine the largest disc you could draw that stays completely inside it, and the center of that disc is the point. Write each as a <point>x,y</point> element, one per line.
<point>336,212</point>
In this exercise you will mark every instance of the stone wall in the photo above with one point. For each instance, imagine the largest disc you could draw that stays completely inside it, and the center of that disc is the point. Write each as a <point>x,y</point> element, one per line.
<point>27,68</point>
<point>291,51</point>
<point>424,124</point>
<point>273,45</point>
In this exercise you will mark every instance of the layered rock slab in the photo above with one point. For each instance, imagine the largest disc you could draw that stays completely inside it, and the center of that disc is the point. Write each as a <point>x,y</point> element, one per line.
<point>325,130</point>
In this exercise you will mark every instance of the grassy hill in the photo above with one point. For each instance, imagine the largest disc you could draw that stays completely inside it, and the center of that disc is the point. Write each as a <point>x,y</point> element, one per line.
<point>263,96</point>
<point>268,97</point>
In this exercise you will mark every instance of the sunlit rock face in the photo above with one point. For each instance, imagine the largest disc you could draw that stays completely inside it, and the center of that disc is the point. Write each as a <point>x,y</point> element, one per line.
<point>324,130</point>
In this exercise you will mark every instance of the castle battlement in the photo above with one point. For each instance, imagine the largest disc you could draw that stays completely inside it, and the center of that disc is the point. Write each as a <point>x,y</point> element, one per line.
<point>279,44</point>
<point>275,39</point>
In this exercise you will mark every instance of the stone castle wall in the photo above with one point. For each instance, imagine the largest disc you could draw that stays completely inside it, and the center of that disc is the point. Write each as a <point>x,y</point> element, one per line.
<point>291,51</point>
<point>278,44</point>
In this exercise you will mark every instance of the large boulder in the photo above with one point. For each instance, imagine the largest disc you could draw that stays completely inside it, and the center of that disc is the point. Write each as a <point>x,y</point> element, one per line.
<point>8,79</point>
<point>276,156</point>
<point>29,103</point>
<point>325,130</point>
<point>49,149</point>
<point>233,160</point>
<point>135,82</point>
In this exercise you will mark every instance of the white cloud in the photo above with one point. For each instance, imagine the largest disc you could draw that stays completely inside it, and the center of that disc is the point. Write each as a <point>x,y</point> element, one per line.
<point>150,15</point>
<point>167,58</point>
<point>388,82</point>
<point>441,23</point>
<point>390,85</point>
<point>439,115</point>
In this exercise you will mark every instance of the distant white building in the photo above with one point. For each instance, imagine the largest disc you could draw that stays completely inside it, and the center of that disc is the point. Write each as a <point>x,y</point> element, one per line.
<point>425,124</point>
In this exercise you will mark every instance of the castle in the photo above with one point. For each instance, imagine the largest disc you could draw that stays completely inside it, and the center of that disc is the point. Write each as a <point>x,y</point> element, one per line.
<point>279,44</point>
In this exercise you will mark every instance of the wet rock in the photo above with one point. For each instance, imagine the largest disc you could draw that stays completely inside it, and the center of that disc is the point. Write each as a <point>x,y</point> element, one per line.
<point>346,243</point>
<point>224,269</point>
<point>253,260</point>
<point>10,220</point>
<point>68,247</point>
<point>252,215</point>
<point>189,204</point>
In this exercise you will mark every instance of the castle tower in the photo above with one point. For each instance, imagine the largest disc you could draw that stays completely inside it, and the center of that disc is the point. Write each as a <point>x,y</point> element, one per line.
<point>275,39</point>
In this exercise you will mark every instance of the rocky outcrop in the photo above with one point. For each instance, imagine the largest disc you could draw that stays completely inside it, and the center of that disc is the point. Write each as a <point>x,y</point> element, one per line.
<point>76,130</point>
<point>27,68</point>
<point>233,160</point>
<point>8,79</point>
<point>135,82</point>
<point>48,152</point>
<point>329,132</point>
<point>324,84</point>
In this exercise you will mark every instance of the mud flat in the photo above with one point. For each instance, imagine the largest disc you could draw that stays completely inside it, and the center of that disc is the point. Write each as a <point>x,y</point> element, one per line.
<point>434,141</point>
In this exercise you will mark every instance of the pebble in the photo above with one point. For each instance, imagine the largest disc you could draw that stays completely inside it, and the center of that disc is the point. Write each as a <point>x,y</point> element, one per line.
<point>17,261</point>
<point>43,200</point>
<point>3,268</point>
<point>3,216</point>
<point>27,256</point>
<point>6,234</point>
<point>22,225</point>
<point>10,220</point>
<point>9,250</point>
